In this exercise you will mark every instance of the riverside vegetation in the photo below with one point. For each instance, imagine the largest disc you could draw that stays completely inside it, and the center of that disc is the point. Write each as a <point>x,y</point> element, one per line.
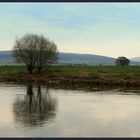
<point>125,76</point>
<point>38,53</point>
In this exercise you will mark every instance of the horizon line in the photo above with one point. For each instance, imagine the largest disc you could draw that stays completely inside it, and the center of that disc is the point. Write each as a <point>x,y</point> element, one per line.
<point>84,54</point>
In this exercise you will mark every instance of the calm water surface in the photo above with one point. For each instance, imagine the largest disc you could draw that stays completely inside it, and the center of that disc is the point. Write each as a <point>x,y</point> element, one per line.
<point>36,111</point>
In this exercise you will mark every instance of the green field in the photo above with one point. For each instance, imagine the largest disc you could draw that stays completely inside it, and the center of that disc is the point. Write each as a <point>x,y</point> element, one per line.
<point>125,72</point>
<point>96,72</point>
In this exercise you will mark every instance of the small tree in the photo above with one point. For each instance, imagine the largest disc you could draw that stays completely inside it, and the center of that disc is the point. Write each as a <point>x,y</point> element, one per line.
<point>122,61</point>
<point>35,51</point>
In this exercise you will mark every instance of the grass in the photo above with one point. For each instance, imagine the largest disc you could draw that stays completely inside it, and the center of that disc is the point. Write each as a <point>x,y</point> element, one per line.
<point>122,72</point>
<point>125,72</point>
<point>88,75</point>
<point>11,69</point>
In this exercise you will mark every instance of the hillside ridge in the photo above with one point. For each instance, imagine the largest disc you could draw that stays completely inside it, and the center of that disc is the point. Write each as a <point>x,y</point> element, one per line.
<point>6,58</point>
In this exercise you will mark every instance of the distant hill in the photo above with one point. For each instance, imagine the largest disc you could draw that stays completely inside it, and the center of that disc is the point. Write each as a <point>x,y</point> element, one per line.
<point>136,59</point>
<point>6,58</point>
<point>85,59</point>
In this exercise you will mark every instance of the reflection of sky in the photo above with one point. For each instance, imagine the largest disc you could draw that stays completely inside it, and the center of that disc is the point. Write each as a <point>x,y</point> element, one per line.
<point>97,114</point>
<point>79,113</point>
<point>110,29</point>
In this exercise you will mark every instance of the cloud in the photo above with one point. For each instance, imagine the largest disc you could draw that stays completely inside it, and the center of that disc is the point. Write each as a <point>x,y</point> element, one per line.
<point>94,27</point>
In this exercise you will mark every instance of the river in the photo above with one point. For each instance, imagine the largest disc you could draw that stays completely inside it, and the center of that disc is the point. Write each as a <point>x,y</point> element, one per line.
<point>37,111</point>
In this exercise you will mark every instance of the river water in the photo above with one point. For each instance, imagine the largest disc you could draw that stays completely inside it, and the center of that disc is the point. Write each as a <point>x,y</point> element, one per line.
<point>36,111</point>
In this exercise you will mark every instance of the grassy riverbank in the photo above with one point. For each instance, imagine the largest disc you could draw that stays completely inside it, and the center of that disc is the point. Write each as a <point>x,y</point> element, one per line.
<point>85,75</point>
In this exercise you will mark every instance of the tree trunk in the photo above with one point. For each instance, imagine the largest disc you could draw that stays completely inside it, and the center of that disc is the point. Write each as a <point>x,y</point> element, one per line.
<point>39,70</point>
<point>30,69</point>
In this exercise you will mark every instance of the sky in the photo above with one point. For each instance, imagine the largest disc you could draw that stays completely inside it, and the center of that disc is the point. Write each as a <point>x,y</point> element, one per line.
<point>109,29</point>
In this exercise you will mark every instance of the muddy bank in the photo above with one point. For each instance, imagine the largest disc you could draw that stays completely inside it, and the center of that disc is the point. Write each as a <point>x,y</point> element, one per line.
<point>68,81</point>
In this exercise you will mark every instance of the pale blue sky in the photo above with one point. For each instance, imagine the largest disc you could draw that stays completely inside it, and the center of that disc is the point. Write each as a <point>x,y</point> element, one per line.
<point>110,29</point>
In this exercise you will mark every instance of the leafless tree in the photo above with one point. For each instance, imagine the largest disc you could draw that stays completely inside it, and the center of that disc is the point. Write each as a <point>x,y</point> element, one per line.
<point>46,54</point>
<point>35,51</point>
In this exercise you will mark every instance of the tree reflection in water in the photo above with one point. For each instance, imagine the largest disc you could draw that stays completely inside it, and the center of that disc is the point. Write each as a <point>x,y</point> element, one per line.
<point>35,108</point>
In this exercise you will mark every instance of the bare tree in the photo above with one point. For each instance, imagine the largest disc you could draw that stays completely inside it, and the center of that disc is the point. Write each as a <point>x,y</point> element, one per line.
<point>35,51</point>
<point>25,51</point>
<point>46,54</point>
